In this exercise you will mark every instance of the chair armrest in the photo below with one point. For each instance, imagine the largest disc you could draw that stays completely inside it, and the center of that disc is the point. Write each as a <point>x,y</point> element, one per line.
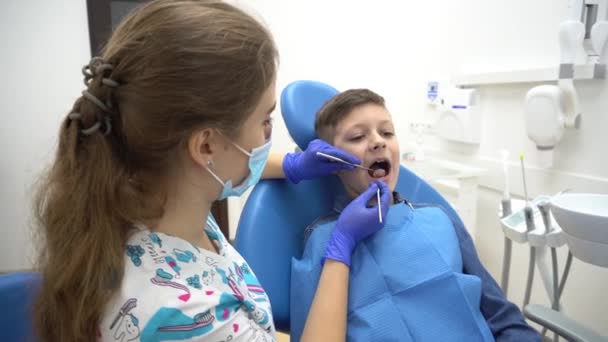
<point>561,324</point>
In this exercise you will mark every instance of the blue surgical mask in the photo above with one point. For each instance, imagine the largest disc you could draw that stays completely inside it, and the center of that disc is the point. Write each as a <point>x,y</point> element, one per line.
<point>257,161</point>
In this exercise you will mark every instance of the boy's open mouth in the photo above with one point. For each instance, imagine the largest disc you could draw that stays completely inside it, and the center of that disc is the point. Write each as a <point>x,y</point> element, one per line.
<point>380,168</point>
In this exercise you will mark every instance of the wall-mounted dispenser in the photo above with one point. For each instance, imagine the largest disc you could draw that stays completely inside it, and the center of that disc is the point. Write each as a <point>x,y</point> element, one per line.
<point>545,120</point>
<point>459,116</point>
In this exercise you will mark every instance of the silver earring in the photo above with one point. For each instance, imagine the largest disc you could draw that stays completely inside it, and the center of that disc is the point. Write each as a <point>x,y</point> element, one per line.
<point>210,163</point>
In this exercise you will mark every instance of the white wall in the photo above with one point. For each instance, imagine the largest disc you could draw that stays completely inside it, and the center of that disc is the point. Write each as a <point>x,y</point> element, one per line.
<point>44,44</point>
<point>395,47</point>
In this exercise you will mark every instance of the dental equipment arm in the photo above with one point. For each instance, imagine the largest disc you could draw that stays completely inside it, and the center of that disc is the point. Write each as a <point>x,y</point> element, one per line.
<point>530,226</point>
<point>543,207</point>
<point>561,324</point>
<point>506,211</point>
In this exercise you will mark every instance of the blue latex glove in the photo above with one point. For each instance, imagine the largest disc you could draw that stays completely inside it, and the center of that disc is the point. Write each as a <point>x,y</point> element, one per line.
<point>307,165</point>
<point>356,222</point>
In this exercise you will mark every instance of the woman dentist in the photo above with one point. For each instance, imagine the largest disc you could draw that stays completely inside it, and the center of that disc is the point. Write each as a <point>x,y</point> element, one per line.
<point>175,115</point>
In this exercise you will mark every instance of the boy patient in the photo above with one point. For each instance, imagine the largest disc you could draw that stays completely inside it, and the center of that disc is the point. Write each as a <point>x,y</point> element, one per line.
<point>417,279</point>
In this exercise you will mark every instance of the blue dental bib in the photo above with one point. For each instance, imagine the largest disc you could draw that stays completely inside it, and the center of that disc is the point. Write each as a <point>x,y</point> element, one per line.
<point>406,282</point>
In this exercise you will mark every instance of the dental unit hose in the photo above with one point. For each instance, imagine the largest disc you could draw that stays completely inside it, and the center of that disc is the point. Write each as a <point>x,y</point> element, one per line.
<point>530,279</point>
<point>528,211</point>
<point>544,208</point>
<point>529,215</point>
<point>506,196</point>
<point>506,211</point>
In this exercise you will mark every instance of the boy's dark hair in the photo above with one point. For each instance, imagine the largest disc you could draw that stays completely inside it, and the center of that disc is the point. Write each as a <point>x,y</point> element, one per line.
<point>339,106</point>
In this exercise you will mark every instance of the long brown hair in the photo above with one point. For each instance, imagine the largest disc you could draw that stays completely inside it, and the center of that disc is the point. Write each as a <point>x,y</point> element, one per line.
<point>180,65</point>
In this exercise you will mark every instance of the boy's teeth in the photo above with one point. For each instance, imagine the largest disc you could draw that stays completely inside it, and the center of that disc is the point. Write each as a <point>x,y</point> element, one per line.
<point>379,168</point>
<point>379,173</point>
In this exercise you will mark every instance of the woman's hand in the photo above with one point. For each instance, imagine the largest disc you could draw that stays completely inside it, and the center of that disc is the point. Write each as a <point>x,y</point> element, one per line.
<point>358,221</point>
<point>308,165</point>
<point>327,316</point>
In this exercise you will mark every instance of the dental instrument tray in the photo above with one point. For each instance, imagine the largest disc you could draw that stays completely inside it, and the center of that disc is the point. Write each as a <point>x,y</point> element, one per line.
<point>514,225</point>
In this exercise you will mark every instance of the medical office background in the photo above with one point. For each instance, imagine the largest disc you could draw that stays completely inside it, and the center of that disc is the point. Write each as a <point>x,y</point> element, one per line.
<point>395,48</point>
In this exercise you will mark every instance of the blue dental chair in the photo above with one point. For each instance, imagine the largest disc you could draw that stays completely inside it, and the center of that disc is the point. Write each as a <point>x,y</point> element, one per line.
<point>271,228</point>
<point>17,294</point>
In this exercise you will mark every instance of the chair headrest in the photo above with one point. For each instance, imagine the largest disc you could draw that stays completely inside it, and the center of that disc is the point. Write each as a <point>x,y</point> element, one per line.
<point>300,102</point>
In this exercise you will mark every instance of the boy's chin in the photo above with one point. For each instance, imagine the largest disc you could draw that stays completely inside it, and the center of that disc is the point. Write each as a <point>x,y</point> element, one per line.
<point>390,180</point>
<point>355,192</point>
<point>360,185</point>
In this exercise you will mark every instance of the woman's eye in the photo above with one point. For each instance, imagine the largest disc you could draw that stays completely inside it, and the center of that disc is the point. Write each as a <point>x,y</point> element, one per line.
<point>388,134</point>
<point>268,122</point>
<point>356,138</point>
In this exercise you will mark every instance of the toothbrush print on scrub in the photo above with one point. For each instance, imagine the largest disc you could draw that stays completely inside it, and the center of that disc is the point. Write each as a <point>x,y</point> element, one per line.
<point>253,285</point>
<point>229,280</point>
<point>125,325</point>
<point>163,278</point>
<point>171,324</point>
<point>178,275</point>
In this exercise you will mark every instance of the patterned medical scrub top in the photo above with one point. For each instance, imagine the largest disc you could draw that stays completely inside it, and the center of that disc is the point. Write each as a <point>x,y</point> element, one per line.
<point>175,291</point>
